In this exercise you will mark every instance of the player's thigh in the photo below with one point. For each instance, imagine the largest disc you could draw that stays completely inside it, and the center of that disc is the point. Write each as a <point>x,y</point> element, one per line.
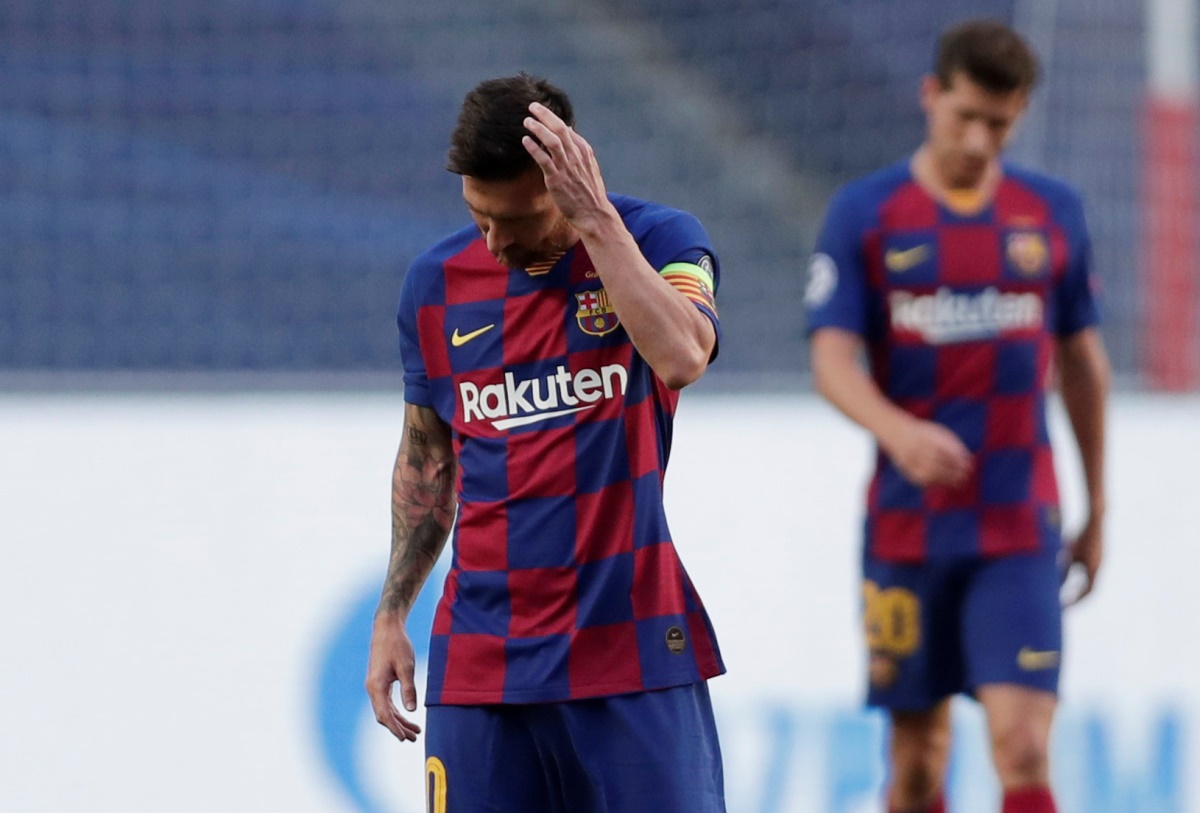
<point>1012,623</point>
<point>910,618</point>
<point>482,759</point>
<point>651,751</point>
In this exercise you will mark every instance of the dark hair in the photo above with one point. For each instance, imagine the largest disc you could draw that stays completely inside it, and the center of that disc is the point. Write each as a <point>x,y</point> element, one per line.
<point>486,142</point>
<point>990,53</point>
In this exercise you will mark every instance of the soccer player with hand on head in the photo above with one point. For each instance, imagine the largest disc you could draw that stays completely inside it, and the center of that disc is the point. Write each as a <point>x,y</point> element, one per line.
<point>544,347</point>
<point>967,281</point>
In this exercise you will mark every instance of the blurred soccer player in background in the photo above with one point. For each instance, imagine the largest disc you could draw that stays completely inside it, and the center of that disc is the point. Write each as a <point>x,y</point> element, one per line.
<point>968,282</point>
<point>544,347</point>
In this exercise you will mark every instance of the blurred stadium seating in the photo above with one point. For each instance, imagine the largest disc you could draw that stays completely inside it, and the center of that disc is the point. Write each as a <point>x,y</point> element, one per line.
<point>238,185</point>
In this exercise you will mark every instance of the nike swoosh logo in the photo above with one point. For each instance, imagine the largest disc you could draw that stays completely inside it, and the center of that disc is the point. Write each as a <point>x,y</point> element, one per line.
<point>459,341</point>
<point>1032,660</point>
<point>897,260</point>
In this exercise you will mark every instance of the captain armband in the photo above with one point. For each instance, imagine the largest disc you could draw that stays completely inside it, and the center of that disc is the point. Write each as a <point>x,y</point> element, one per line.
<point>695,281</point>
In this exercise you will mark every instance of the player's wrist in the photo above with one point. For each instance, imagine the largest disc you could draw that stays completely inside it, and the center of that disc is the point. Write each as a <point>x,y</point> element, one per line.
<point>602,223</point>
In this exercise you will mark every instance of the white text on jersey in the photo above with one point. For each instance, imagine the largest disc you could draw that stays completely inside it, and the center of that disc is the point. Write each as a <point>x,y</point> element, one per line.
<point>529,400</point>
<point>946,316</point>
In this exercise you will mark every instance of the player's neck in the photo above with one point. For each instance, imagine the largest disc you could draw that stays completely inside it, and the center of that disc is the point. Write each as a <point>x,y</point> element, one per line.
<point>961,200</point>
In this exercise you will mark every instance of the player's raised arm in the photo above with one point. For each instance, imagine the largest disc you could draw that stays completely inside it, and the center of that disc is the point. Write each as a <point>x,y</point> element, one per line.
<point>423,504</point>
<point>674,338</point>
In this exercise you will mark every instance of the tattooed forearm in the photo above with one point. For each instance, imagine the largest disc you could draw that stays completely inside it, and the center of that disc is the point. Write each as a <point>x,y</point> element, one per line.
<point>423,506</point>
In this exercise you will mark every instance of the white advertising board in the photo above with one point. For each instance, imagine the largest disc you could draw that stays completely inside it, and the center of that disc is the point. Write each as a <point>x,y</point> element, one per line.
<point>186,583</point>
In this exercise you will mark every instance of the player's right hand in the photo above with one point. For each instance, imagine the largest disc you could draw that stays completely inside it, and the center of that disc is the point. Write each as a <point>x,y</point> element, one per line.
<point>929,454</point>
<point>392,659</point>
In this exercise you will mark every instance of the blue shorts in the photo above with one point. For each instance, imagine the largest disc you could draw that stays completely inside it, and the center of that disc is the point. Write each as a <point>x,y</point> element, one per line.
<point>635,753</point>
<point>939,628</point>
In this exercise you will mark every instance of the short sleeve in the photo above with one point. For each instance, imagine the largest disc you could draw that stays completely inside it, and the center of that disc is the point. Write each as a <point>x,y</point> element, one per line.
<point>1078,305</point>
<point>835,293</point>
<point>416,381</point>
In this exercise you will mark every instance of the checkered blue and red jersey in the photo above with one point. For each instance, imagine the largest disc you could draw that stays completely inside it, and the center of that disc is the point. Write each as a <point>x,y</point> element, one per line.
<point>564,581</point>
<point>960,316</point>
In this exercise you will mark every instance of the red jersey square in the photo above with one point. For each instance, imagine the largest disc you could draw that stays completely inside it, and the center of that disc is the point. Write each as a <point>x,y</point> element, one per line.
<point>591,665</point>
<point>582,270</point>
<point>1017,206</point>
<point>542,463</point>
<point>442,617</point>
<point>1009,529</point>
<point>481,531</point>
<point>1043,487</point>
<point>965,370</point>
<point>474,669</point>
<point>543,601</point>
<point>898,536</point>
<point>1010,422</point>
<point>909,208</point>
<point>482,400</point>
<point>969,255</point>
<point>431,334</point>
<point>474,275</point>
<point>604,522</point>
<point>945,498</point>
<point>641,439</point>
<point>657,582</point>
<point>534,326</point>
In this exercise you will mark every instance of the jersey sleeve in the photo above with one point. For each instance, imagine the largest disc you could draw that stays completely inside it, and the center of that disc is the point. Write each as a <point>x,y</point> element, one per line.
<point>1078,305</point>
<point>835,293</point>
<point>680,250</point>
<point>416,381</point>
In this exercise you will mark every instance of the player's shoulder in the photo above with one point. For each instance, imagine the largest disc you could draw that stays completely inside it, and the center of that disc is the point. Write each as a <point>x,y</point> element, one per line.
<point>865,195</point>
<point>1055,191</point>
<point>643,216</point>
<point>427,269</point>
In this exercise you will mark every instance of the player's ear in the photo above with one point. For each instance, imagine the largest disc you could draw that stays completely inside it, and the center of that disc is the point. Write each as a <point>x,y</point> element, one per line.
<point>931,86</point>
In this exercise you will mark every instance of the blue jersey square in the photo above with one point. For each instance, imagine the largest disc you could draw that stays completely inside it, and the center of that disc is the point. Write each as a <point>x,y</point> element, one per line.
<point>912,372</point>
<point>649,519</point>
<point>476,331</point>
<point>600,462</point>
<point>953,533</point>
<point>605,589</point>
<point>659,648</point>
<point>967,418</point>
<point>482,606</point>
<point>1016,368</point>
<point>1006,475</point>
<point>536,527</point>
<point>540,661</point>
<point>481,463</point>
<point>897,492</point>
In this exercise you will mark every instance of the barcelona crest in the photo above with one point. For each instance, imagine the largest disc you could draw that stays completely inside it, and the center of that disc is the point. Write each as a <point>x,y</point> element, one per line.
<point>595,315</point>
<point>1028,252</point>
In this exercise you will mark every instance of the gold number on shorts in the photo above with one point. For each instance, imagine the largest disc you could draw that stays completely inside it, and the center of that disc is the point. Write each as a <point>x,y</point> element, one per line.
<point>892,618</point>
<point>435,786</point>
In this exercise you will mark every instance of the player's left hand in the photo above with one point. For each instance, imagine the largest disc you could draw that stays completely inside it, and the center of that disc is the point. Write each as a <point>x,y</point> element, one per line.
<point>1084,555</point>
<point>569,166</point>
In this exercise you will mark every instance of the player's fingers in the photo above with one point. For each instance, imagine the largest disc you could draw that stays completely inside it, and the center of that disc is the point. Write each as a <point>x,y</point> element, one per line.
<point>548,118</point>
<point>581,144</point>
<point>535,149</point>
<point>408,686</point>
<point>551,142</point>
<point>381,704</point>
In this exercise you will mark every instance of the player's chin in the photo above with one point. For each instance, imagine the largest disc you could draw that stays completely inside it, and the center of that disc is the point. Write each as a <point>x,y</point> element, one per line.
<point>969,173</point>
